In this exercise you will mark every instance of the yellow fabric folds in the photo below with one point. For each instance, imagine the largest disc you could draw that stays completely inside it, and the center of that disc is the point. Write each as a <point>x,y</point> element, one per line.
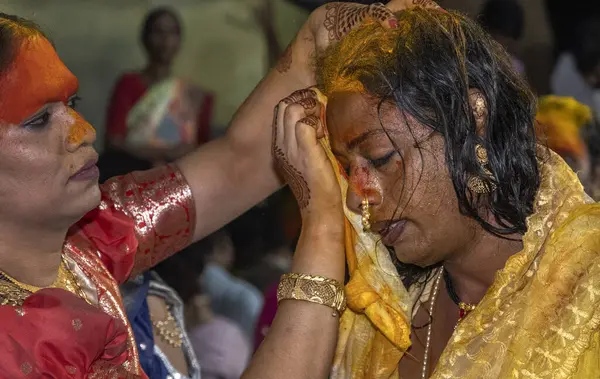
<point>539,320</point>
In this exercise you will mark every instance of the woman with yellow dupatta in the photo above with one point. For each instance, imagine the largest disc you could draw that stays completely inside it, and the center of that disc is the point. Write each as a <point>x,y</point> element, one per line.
<point>472,251</point>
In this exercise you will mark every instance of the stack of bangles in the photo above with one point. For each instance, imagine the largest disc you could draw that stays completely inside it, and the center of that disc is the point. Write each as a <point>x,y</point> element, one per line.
<point>314,289</point>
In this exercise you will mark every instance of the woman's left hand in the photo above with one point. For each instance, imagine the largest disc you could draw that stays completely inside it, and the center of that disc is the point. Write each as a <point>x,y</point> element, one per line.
<point>297,128</point>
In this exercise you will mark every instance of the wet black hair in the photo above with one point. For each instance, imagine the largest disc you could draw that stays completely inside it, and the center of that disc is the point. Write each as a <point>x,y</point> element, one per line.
<point>503,17</point>
<point>154,15</point>
<point>427,68</point>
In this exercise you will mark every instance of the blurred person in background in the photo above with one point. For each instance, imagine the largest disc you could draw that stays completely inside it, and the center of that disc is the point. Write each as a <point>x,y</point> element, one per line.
<point>267,243</point>
<point>561,123</point>
<point>153,116</point>
<point>504,20</point>
<point>220,345</point>
<point>231,296</point>
<point>577,70</point>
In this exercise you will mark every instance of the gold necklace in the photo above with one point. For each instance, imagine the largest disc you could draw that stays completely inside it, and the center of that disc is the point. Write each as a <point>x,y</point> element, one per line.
<point>168,329</point>
<point>65,279</point>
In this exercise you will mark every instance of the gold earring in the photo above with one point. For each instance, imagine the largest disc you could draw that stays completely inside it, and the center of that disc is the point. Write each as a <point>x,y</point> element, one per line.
<point>479,108</point>
<point>365,215</point>
<point>475,183</point>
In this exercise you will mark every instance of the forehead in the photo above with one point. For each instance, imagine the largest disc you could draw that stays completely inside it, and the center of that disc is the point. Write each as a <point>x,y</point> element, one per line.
<point>350,114</point>
<point>35,78</point>
<point>354,118</point>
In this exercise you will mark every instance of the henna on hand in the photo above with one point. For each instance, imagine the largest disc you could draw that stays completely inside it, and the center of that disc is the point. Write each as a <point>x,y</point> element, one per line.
<point>341,18</point>
<point>293,178</point>
<point>299,95</point>
<point>310,120</point>
<point>308,103</point>
<point>426,3</point>
<point>285,61</point>
<point>314,122</point>
<point>307,98</point>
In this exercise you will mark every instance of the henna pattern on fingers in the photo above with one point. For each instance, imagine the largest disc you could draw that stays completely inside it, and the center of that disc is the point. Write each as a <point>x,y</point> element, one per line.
<point>341,18</point>
<point>380,12</point>
<point>308,103</point>
<point>293,178</point>
<point>285,61</point>
<point>426,3</point>
<point>310,120</point>
<point>314,122</point>
<point>297,96</point>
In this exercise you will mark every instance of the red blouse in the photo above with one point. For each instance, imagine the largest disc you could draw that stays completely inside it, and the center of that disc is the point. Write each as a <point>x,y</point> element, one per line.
<point>143,218</point>
<point>129,89</point>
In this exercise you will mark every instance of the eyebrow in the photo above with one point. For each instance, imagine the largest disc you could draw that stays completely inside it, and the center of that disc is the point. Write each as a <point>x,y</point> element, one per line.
<point>364,136</point>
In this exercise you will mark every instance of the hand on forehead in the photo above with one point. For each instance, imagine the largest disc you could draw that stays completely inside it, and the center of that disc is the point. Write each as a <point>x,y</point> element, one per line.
<point>35,77</point>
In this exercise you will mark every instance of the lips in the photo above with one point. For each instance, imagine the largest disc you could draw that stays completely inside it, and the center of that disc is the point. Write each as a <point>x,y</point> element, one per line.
<point>88,171</point>
<point>391,232</point>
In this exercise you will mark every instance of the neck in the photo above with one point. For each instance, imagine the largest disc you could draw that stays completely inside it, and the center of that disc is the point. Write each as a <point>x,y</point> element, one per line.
<point>31,255</point>
<point>156,71</point>
<point>473,271</point>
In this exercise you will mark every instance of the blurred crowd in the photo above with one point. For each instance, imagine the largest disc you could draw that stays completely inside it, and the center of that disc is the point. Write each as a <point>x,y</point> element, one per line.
<point>211,305</point>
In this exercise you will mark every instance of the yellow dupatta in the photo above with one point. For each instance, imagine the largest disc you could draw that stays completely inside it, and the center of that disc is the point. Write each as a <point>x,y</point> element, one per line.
<point>539,319</point>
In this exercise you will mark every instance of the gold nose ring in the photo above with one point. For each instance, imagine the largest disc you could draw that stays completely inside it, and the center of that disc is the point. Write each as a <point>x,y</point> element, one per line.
<point>366,215</point>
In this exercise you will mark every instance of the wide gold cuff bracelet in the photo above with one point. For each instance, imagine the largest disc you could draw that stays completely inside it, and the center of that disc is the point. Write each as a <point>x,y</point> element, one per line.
<point>312,288</point>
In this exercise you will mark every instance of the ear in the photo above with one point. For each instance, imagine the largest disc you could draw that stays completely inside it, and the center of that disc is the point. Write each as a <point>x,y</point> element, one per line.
<point>480,110</point>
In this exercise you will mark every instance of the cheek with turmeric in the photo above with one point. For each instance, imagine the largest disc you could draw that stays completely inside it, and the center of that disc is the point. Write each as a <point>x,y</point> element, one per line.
<point>79,130</point>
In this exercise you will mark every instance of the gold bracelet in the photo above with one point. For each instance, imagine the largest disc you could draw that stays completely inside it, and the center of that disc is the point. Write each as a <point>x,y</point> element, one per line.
<point>312,288</point>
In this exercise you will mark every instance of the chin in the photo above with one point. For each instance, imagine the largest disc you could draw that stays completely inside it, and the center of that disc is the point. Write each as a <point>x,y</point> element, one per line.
<point>410,256</point>
<point>88,200</point>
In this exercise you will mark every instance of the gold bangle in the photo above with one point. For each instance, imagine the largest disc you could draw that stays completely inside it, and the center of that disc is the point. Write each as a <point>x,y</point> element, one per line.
<point>314,289</point>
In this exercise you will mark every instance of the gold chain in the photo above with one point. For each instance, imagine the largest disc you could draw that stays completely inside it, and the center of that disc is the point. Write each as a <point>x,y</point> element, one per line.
<point>65,279</point>
<point>168,329</point>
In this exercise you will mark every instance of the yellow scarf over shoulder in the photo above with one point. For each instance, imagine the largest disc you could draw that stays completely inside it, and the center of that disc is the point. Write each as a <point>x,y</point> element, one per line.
<point>539,319</point>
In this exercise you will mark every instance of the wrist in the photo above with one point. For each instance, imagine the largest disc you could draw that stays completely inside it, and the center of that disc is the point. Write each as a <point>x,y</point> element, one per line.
<point>323,220</point>
<point>320,249</point>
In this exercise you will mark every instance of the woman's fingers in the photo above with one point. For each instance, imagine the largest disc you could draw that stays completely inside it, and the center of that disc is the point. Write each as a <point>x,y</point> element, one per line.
<point>297,106</point>
<point>301,159</point>
<point>341,18</point>
<point>309,129</point>
<point>398,5</point>
<point>382,14</point>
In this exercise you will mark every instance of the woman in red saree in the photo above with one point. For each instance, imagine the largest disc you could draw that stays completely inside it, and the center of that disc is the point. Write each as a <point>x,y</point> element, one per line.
<point>66,243</point>
<point>153,116</point>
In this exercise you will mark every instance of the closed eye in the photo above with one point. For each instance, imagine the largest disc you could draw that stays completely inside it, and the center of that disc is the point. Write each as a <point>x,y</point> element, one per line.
<point>39,120</point>
<point>378,162</point>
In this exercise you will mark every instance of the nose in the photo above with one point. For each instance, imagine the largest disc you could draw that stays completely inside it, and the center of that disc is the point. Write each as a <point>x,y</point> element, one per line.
<point>358,191</point>
<point>79,132</point>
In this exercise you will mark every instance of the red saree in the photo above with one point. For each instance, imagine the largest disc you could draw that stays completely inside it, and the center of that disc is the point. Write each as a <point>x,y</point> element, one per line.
<point>143,218</point>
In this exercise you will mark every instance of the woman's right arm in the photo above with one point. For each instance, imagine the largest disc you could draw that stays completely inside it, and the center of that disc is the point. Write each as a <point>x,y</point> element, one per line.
<point>301,341</point>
